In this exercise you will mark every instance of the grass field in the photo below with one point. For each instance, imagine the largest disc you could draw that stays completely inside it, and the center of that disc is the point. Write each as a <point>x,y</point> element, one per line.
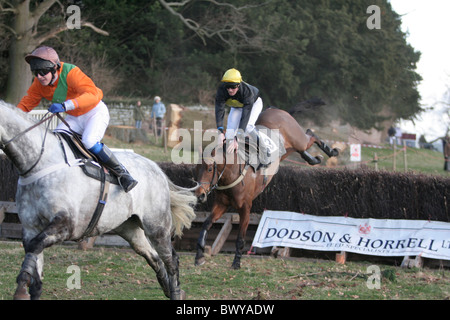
<point>120,274</point>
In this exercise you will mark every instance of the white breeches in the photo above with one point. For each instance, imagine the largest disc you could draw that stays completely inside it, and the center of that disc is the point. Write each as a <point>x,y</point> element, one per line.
<point>234,118</point>
<point>91,125</point>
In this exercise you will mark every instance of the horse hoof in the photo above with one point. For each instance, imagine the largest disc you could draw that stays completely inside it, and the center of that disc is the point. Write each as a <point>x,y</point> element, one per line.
<point>178,295</point>
<point>335,152</point>
<point>200,262</point>
<point>25,296</point>
<point>236,266</point>
<point>21,295</point>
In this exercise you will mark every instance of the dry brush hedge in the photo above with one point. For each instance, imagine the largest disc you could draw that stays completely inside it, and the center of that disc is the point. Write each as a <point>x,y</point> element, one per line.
<point>322,192</point>
<point>355,193</point>
<point>8,179</point>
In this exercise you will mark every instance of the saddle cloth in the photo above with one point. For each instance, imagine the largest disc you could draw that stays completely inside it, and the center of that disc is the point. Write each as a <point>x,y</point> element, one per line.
<point>91,168</point>
<point>249,152</point>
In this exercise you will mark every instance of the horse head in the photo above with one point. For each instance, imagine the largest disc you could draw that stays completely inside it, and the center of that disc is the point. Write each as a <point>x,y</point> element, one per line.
<point>206,173</point>
<point>22,138</point>
<point>209,171</point>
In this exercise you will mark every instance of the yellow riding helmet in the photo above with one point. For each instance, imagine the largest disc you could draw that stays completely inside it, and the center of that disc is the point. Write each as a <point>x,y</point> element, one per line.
<point>232,76</point>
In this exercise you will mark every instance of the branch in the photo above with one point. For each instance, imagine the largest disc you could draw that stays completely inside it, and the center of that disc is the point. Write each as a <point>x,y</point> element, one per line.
<point>63,27</point>
<point>42,8</point>
<point>51,34</point>
<point>2,25</point>
<point>237,25</point>
<point>98,30</point>
<point>191,24</point>
<point>11,9</point>
<point>176,4</point>
<point>238,8</point>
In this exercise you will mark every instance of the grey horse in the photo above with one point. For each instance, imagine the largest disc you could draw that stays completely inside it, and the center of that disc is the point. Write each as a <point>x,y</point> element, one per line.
<point>56,201</point>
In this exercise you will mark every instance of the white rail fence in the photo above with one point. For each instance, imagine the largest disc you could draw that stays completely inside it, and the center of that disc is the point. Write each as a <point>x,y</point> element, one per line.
<point>39,114</point>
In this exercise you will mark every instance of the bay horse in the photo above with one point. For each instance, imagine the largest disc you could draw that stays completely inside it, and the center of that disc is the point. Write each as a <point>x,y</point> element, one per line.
<point>56,202</point>
<point>238,187</point>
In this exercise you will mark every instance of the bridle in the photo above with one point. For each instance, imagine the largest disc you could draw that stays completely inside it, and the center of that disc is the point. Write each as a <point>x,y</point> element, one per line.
<point>212,186</point>
<point>3,145</point>
<point>216,186</point>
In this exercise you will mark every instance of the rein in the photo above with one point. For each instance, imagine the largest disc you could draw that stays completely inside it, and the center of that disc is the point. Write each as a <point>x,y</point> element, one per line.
<point>216,185</point>
<point>44,119</point>
<point>235,183</point>
<point>211,184</point>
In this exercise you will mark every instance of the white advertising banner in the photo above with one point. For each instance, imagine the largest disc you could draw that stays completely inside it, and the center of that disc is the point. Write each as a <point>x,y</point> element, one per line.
<point>429,239</point>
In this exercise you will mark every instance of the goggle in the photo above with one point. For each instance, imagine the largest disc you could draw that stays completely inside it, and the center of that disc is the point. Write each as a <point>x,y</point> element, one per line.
<point>232,86</point>
<point>42,72</point>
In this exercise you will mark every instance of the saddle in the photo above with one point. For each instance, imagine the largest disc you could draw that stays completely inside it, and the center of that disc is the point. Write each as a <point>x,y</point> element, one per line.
<point>251,154</point>
<point>91,167</point>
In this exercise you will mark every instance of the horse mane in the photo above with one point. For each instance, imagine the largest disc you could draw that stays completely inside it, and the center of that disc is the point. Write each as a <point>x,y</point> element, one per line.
<point>8,105</point>
<point>305,105</point>
<point>18,115</point>
<point>16,112</point>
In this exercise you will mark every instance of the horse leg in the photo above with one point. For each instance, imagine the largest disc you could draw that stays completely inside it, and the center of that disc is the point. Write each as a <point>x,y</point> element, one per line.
<point>131,231</point>
<point>163,245</point>
<point>244,219</point>
<point>30,274</point>
<point>217,211</point>
<point>322,145</point>
<point>310,159</point>
<point>160,236</point>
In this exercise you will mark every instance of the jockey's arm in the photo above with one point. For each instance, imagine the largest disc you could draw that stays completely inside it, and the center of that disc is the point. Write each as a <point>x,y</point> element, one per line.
<point>82,95</point>
<point>31,100</point>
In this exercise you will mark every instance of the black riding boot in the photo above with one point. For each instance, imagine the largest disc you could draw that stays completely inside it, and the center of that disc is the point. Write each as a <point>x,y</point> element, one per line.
<point>109,160</point>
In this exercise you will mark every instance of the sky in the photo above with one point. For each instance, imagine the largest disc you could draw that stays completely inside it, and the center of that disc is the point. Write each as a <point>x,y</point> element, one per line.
<point>427,24</point>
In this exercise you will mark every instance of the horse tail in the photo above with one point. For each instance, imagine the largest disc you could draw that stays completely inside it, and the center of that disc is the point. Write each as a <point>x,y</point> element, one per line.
<point>182,203</point>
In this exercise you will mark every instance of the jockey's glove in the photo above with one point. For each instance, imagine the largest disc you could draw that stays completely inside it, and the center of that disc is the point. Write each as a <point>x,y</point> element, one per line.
<point>57,107</point>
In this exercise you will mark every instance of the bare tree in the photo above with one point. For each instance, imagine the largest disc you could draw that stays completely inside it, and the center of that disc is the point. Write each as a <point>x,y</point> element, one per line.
<point>27,35</point>
<point>230,26</point>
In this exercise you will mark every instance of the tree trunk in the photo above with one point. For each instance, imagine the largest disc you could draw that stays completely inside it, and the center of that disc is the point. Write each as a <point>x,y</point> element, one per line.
<point>26,39</point>
<point>19,78</point>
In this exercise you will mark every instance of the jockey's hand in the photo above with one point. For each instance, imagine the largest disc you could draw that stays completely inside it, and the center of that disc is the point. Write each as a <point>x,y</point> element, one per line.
<point>57,107</point>
<point>232,145</point>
